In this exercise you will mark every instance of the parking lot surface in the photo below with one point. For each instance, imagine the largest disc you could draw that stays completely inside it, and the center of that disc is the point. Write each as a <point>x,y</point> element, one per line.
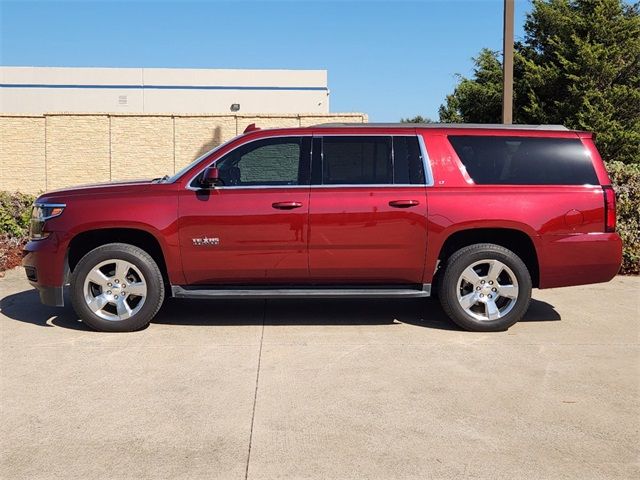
<point>327,389</point>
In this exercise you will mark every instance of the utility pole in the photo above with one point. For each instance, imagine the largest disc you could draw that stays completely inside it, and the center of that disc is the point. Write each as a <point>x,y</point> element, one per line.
<point>507,63</point>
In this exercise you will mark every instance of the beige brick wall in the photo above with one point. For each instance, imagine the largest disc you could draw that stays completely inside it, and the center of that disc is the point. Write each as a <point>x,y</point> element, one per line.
<point>198,135</point>
<point>309,120</point>
<point>141,147</point>
<point>40,153</point>
<point>77,150</point>
<point>22,157</point>
<point>268,122</point>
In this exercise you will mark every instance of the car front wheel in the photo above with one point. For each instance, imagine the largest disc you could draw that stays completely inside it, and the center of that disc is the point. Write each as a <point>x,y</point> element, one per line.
<point>117,288</point>
<point>485,287</point>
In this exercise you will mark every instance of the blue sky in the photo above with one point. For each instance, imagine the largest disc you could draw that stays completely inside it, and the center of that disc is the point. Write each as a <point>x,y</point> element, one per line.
<point>390,59</point>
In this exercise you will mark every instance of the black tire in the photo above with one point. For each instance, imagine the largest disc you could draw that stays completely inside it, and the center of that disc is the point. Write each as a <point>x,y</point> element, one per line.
<point>142,261</point>
<point>448,288</point>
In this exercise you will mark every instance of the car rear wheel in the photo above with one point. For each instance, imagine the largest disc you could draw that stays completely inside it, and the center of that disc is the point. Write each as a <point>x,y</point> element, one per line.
<point>117,288</point>
<point>485,287</point>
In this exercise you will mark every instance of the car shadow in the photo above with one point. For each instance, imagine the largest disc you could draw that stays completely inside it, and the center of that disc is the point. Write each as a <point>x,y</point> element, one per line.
<point>26,307</point>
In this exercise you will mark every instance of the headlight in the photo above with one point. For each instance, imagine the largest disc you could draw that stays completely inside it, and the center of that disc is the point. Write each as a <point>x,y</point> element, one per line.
<point>40,214</point>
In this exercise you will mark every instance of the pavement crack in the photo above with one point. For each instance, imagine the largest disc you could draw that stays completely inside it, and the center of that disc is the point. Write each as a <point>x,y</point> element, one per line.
<point>255,392</point>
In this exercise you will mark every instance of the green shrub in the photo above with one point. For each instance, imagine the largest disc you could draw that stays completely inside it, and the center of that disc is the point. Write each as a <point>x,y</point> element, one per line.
<point>626,181</point>
<point>15,212</point>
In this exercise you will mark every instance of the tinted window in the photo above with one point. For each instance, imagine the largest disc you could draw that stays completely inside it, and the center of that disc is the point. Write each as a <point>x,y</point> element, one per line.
<point>316,161</point>
<point>356,160</point>
<point>272,161</point>
<point>525,160</point>
<point>408,167</point>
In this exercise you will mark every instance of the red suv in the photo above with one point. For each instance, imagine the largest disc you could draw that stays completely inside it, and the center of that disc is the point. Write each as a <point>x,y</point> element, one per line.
<point>479,214</point>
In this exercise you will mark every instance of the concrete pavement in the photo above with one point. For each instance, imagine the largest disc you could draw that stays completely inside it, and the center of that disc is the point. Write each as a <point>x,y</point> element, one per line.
<point>323,390</point>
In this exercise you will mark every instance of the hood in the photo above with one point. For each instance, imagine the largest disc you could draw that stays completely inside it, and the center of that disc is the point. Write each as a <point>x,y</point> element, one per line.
<point>96,189</point>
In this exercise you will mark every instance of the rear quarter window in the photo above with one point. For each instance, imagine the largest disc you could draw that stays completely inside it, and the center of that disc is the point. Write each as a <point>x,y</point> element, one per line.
<point>525,160</point>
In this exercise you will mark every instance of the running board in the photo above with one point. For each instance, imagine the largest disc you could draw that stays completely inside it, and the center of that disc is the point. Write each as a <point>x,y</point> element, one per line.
<point>245,292</point>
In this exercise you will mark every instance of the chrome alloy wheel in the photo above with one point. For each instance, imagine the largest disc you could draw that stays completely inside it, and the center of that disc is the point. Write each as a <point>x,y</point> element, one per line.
<point>115,290</point>
<point>487,290</point>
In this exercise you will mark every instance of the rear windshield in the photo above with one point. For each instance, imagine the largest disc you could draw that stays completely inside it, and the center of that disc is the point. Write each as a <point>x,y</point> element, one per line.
<point>525,160</point>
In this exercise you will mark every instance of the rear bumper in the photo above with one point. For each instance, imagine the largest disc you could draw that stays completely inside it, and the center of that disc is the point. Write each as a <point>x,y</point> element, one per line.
<point>568,260</point>
<point>45,265</point>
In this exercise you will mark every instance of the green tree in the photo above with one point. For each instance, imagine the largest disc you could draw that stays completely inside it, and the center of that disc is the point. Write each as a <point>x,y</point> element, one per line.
<point>416,119</point>
<point>578,65</point>
<point>477,99</point>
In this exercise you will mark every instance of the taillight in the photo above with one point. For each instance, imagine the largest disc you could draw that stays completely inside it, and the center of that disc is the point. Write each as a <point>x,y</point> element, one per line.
<point>609,208</point>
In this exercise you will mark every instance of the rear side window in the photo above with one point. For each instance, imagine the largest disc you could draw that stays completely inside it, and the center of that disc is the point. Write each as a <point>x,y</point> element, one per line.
<point>356,160</point>
<point>525,160</point>
<point>370,160</point>
<point>408,167</point>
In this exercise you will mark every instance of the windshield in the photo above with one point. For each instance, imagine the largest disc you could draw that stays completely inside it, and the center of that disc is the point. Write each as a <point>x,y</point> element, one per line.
<point>184,170</point>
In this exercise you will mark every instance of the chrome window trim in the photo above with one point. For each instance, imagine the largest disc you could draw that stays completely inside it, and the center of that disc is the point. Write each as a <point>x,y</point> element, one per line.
<point>250,187</point>
<point>429,181</point>
<point>426,161</point>
<point>370,185</point>
<point>354,185</point>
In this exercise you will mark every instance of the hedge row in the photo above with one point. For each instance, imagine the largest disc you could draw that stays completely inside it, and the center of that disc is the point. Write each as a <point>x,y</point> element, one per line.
<point>15,210</point>
<point>626,181</point>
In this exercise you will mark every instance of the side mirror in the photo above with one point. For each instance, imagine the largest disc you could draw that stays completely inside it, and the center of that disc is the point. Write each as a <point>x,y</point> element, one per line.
<point>211,178</point>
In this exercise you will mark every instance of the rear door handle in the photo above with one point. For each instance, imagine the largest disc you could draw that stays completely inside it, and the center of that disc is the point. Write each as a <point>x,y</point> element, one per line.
<point>286,205</point>
<point>403,203</point>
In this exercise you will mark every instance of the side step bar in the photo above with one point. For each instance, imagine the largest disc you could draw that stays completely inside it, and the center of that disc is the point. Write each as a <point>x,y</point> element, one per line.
<point>245,292</point>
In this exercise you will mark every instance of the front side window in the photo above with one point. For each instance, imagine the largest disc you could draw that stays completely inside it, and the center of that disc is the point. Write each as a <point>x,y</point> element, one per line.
<point>502,160</point>
<point>267,162</point>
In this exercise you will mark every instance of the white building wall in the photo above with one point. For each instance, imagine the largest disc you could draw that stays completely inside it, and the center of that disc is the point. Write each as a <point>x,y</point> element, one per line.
<point>39,90</point>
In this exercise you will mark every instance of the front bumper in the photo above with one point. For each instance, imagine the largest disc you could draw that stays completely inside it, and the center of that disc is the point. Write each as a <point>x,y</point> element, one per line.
<point>52,296</point>
<point>46,266</point>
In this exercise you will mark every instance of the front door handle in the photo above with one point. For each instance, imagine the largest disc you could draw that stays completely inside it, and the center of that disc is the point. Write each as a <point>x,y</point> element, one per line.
<point>403,203</point>
<point>286,205</point>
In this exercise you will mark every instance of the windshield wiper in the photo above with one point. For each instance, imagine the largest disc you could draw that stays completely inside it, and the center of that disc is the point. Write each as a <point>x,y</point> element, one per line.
<point>160,179</point>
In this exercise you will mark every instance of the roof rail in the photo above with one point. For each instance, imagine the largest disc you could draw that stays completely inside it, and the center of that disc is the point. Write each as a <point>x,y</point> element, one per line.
<point>444,125</point>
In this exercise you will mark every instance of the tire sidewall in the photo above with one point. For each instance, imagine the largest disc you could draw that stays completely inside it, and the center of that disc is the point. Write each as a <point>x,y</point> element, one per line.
<point>133,255</point>
<point>464,259</point>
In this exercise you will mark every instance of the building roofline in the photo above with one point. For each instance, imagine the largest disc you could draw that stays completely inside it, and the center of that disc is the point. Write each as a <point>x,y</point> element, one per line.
<point>116,67</point>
